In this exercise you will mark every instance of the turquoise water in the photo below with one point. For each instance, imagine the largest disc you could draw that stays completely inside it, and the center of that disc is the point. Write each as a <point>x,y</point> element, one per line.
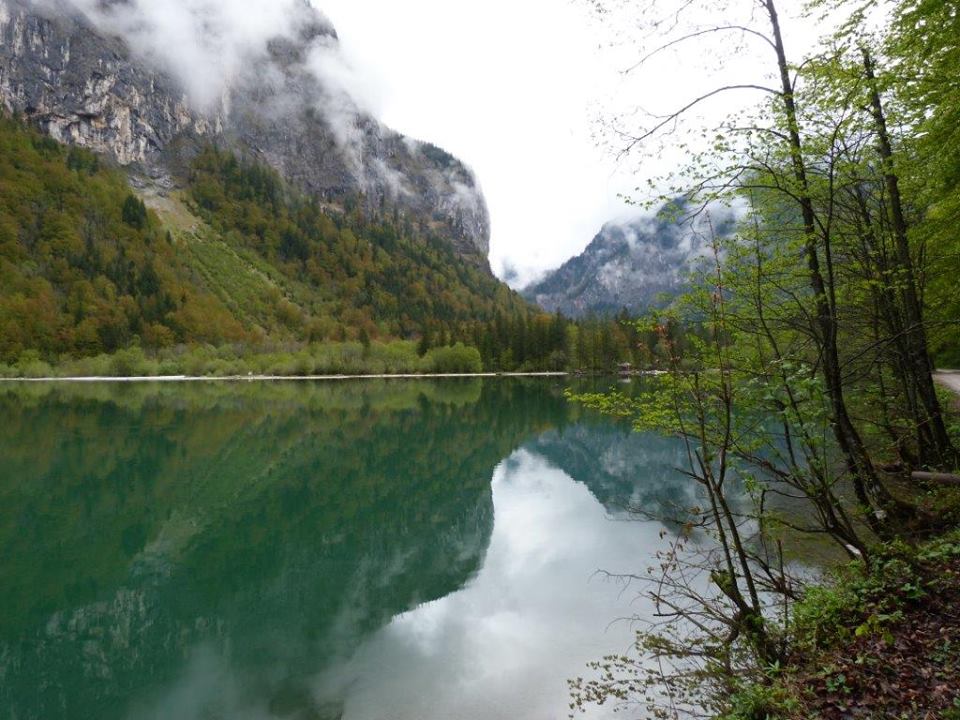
<point>368,550</point>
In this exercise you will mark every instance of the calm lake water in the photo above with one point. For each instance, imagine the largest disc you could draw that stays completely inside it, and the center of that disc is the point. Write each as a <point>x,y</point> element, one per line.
<point>366,550</point>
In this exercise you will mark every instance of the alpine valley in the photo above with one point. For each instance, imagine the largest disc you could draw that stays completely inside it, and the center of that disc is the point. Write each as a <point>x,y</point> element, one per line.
<point>234,210</point>
<point>637,264</point>
<point>133,213</point>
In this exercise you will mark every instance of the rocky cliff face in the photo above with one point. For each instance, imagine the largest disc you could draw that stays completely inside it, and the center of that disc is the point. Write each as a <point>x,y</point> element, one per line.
<point>636,265</point>
<point>87,88</point>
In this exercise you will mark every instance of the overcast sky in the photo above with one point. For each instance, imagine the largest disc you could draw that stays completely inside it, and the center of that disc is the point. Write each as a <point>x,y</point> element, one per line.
<point>508,87</point>
<point>524,92</point>
<point>515,89</point>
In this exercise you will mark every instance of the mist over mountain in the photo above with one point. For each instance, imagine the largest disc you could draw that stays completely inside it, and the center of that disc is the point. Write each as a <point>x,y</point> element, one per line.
<point>636,264</point>
<point>200,173</point>
<point>152,83</point>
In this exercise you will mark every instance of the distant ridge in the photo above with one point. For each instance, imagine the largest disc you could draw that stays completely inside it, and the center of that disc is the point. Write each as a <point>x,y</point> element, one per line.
<point>636,264</point>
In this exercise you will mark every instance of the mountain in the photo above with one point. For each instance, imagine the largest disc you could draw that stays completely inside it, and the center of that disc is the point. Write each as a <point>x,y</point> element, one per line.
<point>133,209</point>
<point>636,264</point>
<point>82,86</point>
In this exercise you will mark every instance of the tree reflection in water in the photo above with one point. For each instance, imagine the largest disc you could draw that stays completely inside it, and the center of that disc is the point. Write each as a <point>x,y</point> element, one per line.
<point>194,550</point>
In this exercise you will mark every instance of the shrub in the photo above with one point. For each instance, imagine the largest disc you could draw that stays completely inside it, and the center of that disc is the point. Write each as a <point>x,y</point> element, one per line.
<point>30,365</point>
<point>760,702</point>
<point>169,367</point>
<point>128,363</point>
<point>456,359</point>
<point>196,363</point>
<point>97,366</point>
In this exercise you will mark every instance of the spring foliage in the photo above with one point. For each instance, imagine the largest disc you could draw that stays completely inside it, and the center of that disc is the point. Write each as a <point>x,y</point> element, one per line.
<point>87,269</point>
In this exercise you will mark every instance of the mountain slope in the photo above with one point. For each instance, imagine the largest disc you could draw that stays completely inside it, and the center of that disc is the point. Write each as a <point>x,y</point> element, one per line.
<point>636,265</point>
<point>63,70</point>
<point>236,257</point>
<point>282,212</point>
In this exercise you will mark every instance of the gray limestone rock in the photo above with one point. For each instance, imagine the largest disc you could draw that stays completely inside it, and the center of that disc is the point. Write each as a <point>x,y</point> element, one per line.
<point>86,88</point>
<point>638,265</point>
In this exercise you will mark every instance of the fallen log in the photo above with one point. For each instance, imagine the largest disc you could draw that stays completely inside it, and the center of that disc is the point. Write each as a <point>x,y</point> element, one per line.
<point>937,478</point>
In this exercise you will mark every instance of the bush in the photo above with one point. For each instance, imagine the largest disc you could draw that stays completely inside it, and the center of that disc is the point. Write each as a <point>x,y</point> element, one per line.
<point>858,600</point>
<point>29,365</point>
<point>36,369</point>
<point>169,367</point>
<point>219,367</point>
<point>761,702</point>
<point>456,359</point>
<point>97,366</point>
<point>128,363</point>
<point>196,363</point>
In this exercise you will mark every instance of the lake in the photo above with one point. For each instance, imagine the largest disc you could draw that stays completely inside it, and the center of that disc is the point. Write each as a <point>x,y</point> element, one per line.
<point>366,550</point>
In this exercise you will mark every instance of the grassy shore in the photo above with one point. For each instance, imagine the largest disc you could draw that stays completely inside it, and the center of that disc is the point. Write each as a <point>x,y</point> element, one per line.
<point>267,378</point>
<point>330,359</point>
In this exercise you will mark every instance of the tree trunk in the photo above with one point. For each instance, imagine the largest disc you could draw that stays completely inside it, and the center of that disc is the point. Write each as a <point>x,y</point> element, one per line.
<point>879,504</point>
<point>939,451</point>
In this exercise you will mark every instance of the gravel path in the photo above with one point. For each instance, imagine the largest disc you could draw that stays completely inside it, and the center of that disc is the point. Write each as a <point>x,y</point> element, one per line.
<point>950,378</point>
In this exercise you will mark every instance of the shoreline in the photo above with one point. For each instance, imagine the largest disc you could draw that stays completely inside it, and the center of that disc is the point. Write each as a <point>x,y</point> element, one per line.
<point>271,378</point>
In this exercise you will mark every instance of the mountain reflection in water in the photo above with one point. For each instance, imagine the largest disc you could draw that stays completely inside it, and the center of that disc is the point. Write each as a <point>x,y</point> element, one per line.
<point>370,549</point>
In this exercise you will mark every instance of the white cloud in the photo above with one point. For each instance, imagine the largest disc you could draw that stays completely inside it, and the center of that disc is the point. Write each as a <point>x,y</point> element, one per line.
<point>513,89</point>
<point>205,43</point>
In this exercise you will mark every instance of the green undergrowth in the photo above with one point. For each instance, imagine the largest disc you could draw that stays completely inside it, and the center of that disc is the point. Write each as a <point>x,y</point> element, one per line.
<point>877,642</point>
<point>329,358</point>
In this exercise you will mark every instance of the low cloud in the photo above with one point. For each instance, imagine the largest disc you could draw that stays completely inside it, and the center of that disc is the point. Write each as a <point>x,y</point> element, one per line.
<point>206,44</point>
<point>212,47</point>
<point>285,52</point>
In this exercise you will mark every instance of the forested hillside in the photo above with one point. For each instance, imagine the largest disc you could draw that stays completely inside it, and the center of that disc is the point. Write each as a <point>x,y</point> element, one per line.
<point>85,268</point>
<point>237,272</point>
<point>382,274</point>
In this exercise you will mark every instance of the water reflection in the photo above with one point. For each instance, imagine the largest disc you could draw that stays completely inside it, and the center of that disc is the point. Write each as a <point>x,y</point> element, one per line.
<point>627,472</point>
<point>310,550</point>
<point>504,646</point>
